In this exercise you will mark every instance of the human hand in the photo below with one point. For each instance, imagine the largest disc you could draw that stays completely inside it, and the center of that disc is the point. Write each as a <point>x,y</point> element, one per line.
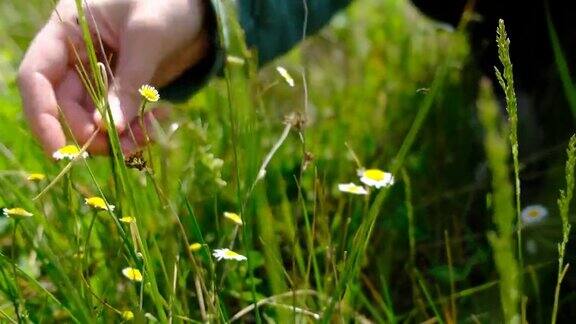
<point>150,41</point>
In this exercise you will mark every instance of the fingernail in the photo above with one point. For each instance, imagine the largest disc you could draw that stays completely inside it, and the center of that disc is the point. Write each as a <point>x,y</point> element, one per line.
<point>117,113</point>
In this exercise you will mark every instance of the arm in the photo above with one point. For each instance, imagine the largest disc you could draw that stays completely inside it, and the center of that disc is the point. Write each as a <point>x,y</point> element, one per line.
<point>272,28</point>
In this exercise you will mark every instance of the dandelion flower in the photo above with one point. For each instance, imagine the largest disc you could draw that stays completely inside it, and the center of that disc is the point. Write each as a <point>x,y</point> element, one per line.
<point>233,217</point>
<point>35,177</point>
<point>227,254</point>
<point>132,274</point>
<point>195,247</point>
<point>352,188</point>
<point>98,203</point>
<point>127,315</point>
<point>69,152</point>
<point>376,178</point>
<point>534,214</point>
<point>282,71</point>
<point>149,93</point>
<point>127,219</point>
<point>16,212</point>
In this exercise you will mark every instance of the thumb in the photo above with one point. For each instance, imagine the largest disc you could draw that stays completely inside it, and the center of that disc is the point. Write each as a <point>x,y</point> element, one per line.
<point>139,56</point>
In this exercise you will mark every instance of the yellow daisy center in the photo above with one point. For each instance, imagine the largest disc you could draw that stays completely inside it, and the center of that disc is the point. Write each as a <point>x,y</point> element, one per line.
<point>375,174</point>
<point>69,150</point>
<point>533,213</point>
<point>231,254</point>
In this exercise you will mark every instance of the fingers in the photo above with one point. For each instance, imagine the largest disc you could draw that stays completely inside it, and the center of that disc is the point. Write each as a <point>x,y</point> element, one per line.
<point>138,60</point>
<point>44,64</point>
<point>136,137</point>
<point>153,33</point>
<point>72,99</point>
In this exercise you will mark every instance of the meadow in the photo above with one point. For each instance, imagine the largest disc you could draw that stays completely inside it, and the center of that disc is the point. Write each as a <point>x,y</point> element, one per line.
<point>253,165</point>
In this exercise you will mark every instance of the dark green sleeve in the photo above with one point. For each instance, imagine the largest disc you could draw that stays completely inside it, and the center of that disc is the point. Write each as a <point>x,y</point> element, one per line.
<point>272,27</point>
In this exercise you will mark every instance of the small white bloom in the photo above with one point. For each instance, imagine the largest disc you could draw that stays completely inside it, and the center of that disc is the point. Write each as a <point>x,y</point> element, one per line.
<point>284,73</point>
<point>534,214</point>
<point>352,188</point>
<point>228,254</point>
<point>376,178</point>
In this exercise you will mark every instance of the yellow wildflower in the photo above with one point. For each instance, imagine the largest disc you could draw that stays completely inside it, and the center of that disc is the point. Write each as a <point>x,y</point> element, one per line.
<point>127,219</point>
<point>233,217</point>
<point>35,177</point>
<point>132,274</point>
<point>195,247</point>
<point>98,203</point>
<point>149,93</point>
<point>16,212</point>
<point>127,315</point>
<point>69,152</point>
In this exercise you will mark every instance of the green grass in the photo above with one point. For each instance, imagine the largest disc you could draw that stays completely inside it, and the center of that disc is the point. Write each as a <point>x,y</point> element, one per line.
<point>398,93</point>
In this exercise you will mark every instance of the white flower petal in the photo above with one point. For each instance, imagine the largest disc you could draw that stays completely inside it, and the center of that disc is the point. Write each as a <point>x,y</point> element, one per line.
<point>352,188</point>
<point>227,254</point>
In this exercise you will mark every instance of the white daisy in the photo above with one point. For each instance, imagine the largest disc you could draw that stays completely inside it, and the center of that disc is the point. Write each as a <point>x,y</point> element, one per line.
<point>352,188</point>
<point>534,214</point>
<point>376,178</point>
<point>69,152</point>
<point>228,254</point>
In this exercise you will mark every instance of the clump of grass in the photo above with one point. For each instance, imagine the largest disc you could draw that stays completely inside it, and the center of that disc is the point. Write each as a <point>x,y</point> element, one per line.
<point>501,240</point>
<point>564,206</point>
